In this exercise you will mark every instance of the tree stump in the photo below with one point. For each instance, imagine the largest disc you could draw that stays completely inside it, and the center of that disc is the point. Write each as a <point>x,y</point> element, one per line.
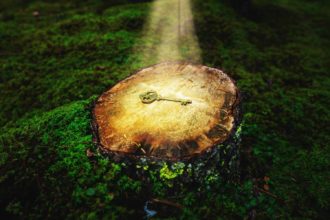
<point>180,117</point>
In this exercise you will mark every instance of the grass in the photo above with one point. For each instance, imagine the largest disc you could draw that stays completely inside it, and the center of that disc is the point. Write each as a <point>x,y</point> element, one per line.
<point>54,65</point>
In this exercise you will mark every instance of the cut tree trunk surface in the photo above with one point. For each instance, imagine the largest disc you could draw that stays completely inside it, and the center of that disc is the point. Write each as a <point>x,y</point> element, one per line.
<point>171,111</point>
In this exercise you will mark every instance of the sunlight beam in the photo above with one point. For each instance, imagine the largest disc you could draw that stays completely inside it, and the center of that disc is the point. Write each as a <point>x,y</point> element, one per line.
<point>169,33</point>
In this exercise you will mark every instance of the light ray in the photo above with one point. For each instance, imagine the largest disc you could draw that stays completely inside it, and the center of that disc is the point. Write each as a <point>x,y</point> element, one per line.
<point>169,33</point>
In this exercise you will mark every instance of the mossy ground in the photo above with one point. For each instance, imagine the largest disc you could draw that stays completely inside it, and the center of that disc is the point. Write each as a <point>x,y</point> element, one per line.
<point>54,65</point>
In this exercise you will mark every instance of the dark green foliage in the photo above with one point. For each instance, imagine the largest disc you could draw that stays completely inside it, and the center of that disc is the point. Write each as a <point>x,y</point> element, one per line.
<point>279,54</point>
<point>53,65</point>
<point>48,172</point>
<point>65,54</point>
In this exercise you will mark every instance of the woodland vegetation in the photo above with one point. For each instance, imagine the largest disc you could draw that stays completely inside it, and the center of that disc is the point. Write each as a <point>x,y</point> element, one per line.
<point>57,57</point>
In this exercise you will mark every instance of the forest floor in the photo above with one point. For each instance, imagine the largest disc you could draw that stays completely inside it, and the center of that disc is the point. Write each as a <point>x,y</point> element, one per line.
<point>56,58</point>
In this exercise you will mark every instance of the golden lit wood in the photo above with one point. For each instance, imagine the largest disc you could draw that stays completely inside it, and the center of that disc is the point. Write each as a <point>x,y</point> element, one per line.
<point>167,129</point>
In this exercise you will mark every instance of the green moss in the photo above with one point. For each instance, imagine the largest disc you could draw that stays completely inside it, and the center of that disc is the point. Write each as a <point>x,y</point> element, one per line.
<point>52,148</point>
<point>52,67</point>
<point>68,54</point>
<point>167,175</point>
<point>279,59</point>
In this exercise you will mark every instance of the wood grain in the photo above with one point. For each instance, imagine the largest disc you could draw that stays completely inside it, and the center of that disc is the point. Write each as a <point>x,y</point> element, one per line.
<point>166,129</point>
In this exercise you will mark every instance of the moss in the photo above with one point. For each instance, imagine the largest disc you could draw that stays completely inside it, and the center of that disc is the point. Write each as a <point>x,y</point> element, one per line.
<point>56,144</point>
<point>278,58</point>
<point>56,59</point>
<point>52,65</point>
<point>167,174</point>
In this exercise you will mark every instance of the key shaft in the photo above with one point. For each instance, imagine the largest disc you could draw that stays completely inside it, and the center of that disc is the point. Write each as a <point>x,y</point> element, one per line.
<point>182,101</point>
